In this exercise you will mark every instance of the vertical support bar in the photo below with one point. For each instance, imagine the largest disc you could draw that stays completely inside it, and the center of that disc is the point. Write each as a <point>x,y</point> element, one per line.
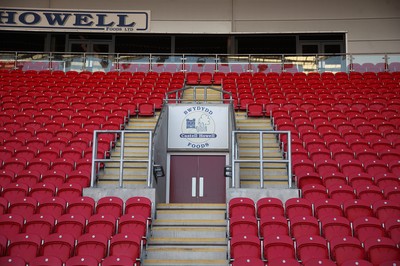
<point>94,163</point>
<point>260,144</point>
<point>15,60</point>
<point>201,187</point>
<point>233,159</point>
<point>150,62</point>
<point>149,158</point>
<point>386,57</point>
<point>194,188</point>
<point>289,155</point>
<point>121,161</point>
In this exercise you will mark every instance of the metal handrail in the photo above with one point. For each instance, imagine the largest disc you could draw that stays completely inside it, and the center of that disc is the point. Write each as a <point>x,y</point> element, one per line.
<point>260,160</point>
<point>122,158</point>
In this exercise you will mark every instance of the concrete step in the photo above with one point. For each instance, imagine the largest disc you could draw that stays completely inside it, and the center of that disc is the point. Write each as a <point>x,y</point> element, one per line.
<point>203,262</point>
<point>187,231</point>
<point>187,253</point>
<point>190,214</point>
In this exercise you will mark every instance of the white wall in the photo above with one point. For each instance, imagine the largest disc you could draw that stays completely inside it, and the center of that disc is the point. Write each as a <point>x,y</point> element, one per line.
<point>371,25</point>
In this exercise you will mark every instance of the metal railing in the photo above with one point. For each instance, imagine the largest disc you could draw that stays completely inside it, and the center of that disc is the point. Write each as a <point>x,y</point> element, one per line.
<point>236,161</point>
<point>122,159</point>
<point>199,62</point>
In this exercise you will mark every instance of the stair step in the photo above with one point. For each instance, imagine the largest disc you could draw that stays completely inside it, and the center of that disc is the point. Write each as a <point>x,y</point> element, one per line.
<point>187,231</point>
<point>179,222</point>
<point>188,241</point>
<point>151,262</point>
<point>190,214</point>
<point>187,252</point>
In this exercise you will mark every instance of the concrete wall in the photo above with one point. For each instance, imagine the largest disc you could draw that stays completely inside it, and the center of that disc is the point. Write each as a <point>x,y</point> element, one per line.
<point>371,25</point>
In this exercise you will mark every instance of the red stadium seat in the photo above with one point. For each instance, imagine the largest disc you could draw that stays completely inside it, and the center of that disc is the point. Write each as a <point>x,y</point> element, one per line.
<point>283,262</point>
<point>110,205</point>
<point>58,245</point>
<point>314,192</point>
<point>386,209</point>
<point>392,226</point>
<point>101,224</point>
<point>12,261</point>
<point>335,227</point>
<point>273,225</point>
<point>126,245</point>
<point>298,207</point>
<point>356,208</point>
<point>25,246</point>
<point>133,224</point>
<point>248,261</point>
<point>81,205</point>
<point>326,208</point>
<point>311,247</point>
<point>369,193</point>
<point>39,224</point>
<point>367,227</point>
<point>139,206</point>
<point>54,206</point>
<point>11,224</point>
<point>117,261</point>
<point>72,224</point>
<point>269,206</point>
<point>346,248</point>
<point>46,261</point>
<point>243,225</point>
<point>92,245</point>
<point>278,247</point>
<point>381,249</point>
<point>304,226</point>
<point>245,246</point>
<point>82,261</point>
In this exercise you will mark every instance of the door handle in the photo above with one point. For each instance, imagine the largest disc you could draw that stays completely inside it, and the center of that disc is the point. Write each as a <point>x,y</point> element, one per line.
<point>201,186</point>
<point>194,187</point>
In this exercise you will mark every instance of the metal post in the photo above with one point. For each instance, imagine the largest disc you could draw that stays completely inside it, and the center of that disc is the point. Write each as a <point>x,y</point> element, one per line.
<point>150,155</point>
<point>121,162</point>
<point>289,157</point>
<point>233,158</point>
<point>260,143</point>
<point>94,163</point>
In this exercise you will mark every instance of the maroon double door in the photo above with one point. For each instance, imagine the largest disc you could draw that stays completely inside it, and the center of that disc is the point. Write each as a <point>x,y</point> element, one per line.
<point>197,179</point>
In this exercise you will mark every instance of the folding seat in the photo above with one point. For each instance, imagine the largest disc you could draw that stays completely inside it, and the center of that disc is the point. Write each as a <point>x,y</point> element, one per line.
<point>278,247</point>
<point>54,206</point>
<point>326,208</point>
<point>304,225</point>
<point>381,249</point>
<point>127,245</point>
<point>336,144</point>
<point>245,246</point>
<point>319,154</point>
<point>298,207</point>
<point>375,167</point>
<point>28,177</point>
<point>25,152</point>
<point>369,193</point>
<point>351,167</point>
<point>118,261</point>
<point>40,165</point>
<point>334,178</point>
<point>386,209</point>
<point>6,152</point>
<point>392,227</point>
<point>356,208</point>
<point>12,261</point>
<point>360,179</point>
<point>392,193</point>
<point>101,224</point>
<point>81,205</point>
<point>284,262</point>
<point>60,246</point>
<point>350,134</point>
<point>313,192</point>
<point>308,178</point>
<point>79,177</point>
<point>346,248</point>
<point>25,206</point>
<point>139,205</point>
<point>273,225</point>
<point>365,155</point>
<point>395,167</point>
<point>39,224</point>
<point>389,155</point>
<point>269,206</point>
<point>386,179</point>
<point>110,205</point>
<point>58,143</point>
<point>391,134</point>
<point>14,164</point>
<point>65,165</point>
<point>25,246</point>
<point>333,226</point>
<point>46,261</point>
<point>6,177</point>
<point>367,227</point>
<point>15,191</point>
<point>54,177</point>
<point>93,245</point>
<point>133,224</point>
<point>341,193</point>
<point>3,205</point>
<point>69,191</point>
<point>311,247</point>
<point>255,110</point>
<point>326,166</point>
<point>11,224</point>
<point>82,261</point>
<point>320,262</point>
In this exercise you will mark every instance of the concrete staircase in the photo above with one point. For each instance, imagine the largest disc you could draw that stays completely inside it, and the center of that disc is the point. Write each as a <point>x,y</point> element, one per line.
<point>201,94</point>
<point>136,148</point>
<point>188,234</point>
<point>274,174</point>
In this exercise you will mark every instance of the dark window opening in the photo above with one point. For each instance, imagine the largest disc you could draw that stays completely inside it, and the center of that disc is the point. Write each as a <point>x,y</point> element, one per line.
<point>266,44</point>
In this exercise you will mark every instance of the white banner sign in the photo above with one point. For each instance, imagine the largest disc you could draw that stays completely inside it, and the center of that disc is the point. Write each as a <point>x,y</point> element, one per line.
<point>74,20</point>
<point>198,127</point>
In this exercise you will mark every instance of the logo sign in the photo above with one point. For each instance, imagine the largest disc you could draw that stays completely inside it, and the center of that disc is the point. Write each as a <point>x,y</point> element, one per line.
<point>198,127</point>
<point>74,20</point>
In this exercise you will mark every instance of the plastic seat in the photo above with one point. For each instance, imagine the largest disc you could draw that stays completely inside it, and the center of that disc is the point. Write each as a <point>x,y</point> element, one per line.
<point>117,261</point>
<point>60,246</point>
<point>139,206</point>
<point>351,167</point>
<point>25,206</point>
<point>304,226</point>
<point>386,180</point>
<point>278,247</point>
<point>356,208</point>
<point>15,191</point>
<point>311,247</point>
<point>46,261</point>
<point>327,207</point>
<point>273,225</point>
<point>41,191</point>
<point>375,167</point>
<point>25,246</point>
<point>54,206</point>
<point>101,224</point>
<point>69,191</point>
<point>3,205</point>
<point>366,227</point>
<point>241,206</point>
<point>303,166</point>
<point>146,109</point>
<point>79,177</point>
<point>110,205</point>
<point>14,164</point>
<point>314,192</point>
<point>255,110</point>
<point>248,261</point>
<point>243,225</point>
<point>41,225</point>
<point>332,227</point>
<point>54,177</point>
<point>326,166</point>
<point>297,207</point>
<point>81,205</point>
<point>11,224</point>
<point>82,261</point>
<point>40,165</point>
<point>72,224</point>
<point>283,262</point>
<point>360,179</point>
<point>127,245</point>
<point>308,178</point>
<point>346,248</point>
<point>133,224</point>
<point>12,261</point>
<point>359,262</point>
<point>381,249</point>
<point>392,226</point>
<point>28,177</point>
<point>6,177</point>
<point>92,245</point>
<point>386,209</point>
<point>334,178</point>
<point>369,193</point>
<point>245,246</point>
<point>319,262</point>
<point>269,206</point>
<point>341,193</point>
